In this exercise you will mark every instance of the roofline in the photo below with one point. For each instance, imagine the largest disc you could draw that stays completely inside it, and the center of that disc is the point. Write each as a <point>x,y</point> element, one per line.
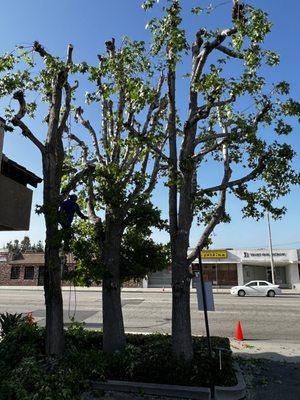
<point>32,179</point>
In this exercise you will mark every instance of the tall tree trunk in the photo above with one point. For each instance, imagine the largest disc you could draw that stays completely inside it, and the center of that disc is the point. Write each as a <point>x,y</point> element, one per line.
<point>52,163</point>
<point>181,320</point>
<point>181,315</point>
<point>53,294</point>
<point>113,325</point>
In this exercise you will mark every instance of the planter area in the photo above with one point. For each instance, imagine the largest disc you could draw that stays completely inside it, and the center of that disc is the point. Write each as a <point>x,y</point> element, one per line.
<point>236,392</point>
<point>145,365</point>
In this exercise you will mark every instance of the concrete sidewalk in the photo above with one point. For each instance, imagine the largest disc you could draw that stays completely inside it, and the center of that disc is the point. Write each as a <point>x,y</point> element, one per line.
<point>283,351</point>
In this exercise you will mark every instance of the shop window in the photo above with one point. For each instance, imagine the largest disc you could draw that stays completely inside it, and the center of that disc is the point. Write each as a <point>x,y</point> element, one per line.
<point>29,273</point>
<point>41,276</point>
<point>15,273</point>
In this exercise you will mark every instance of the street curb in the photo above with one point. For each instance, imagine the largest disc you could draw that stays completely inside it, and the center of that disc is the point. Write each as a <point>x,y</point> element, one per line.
<point>237,392</point>
<point>184,392</point>
<point>131,290</point>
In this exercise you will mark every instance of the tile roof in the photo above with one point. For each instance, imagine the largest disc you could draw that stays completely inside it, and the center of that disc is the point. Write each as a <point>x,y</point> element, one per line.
<point>36,258</point>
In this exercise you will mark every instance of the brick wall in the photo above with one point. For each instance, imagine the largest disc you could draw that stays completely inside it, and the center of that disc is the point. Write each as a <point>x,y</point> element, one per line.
<point>5,277</point>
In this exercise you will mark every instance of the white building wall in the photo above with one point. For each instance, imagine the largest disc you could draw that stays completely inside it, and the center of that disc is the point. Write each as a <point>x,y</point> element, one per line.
<point>258,258</point>
<point>145,283</point>
<point>292,275</point>
<point>240,274</point>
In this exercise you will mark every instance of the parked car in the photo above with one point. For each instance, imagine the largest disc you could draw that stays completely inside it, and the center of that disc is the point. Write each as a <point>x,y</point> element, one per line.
<point>256,288</point>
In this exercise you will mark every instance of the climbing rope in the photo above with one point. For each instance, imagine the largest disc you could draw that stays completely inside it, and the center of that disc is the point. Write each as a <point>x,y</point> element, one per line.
<point>72,283</point>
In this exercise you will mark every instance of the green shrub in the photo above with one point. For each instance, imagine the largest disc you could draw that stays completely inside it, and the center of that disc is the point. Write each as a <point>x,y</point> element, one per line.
<point>26,373</point>
<point>9,321</point>
<point>43,379</point>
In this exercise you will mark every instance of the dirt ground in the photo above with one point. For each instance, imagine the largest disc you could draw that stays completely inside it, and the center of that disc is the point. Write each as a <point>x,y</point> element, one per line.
<point>271,380</point>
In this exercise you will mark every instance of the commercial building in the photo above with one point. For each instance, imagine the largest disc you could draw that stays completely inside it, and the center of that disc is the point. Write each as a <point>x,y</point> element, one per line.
<point>229,267</point>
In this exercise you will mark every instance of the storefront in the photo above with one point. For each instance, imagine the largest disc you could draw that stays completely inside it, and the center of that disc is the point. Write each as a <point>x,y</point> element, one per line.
<point>256,265</point>
<point>229,267</point>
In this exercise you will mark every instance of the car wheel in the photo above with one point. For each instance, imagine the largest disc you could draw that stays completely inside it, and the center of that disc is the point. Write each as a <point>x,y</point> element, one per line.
<point>241,293</point>
<point>271,293</point>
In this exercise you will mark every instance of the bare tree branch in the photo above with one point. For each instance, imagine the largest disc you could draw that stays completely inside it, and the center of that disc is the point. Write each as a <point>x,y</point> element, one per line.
<point>209,136</point>
<point>208,47</point>
<point>105,135</point>
<point>153,176</point>
<point>82,144</point>
<point>66,113</point>
<point>88,126</point>
<point>204,111</point>
<point>74,181</point>
<point>208,150</point>
<point>110,112</point>
<point>152,146</point>
<point>17,121</point>
<point>219,211</point>
<point>230,52</point>
<point>40,49</point>
<point>69,54</point>
<point>259,117</point>
<point>252,175</point>
<point>91,201</point>
<point>216,217</point>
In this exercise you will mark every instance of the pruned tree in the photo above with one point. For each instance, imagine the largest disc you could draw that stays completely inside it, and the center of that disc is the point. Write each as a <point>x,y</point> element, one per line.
<point>140,254</point>
<point>23,77</point>
<point>222,132</point>
<point>124,162</point>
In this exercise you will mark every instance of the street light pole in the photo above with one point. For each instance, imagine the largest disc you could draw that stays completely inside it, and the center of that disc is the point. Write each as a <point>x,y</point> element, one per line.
<point>271,249</point>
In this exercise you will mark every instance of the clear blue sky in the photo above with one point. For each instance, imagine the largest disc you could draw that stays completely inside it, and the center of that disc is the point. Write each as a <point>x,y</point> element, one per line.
<point>87,24</point>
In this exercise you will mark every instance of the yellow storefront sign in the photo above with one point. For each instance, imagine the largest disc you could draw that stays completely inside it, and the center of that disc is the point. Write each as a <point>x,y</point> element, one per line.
<point>214,254</point>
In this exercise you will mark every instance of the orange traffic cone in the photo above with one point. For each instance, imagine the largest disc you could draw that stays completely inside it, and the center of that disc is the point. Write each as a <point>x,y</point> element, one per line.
<point>239,331</point>
<point>30,318</point>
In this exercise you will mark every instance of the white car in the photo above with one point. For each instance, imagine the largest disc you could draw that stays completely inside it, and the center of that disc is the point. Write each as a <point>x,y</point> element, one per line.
<point>256,288</point>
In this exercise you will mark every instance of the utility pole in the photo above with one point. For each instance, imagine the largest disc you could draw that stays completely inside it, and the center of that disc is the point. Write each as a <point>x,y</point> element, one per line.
<point>271,249</point>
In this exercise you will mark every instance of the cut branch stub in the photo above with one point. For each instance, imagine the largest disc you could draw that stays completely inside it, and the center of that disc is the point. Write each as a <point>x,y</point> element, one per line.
<point>110,47</point>
<point>39,49</point>
<point>69,54</point>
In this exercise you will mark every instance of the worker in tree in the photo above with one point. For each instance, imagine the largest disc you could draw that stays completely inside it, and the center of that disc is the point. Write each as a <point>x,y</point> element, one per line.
<point>67,211</point>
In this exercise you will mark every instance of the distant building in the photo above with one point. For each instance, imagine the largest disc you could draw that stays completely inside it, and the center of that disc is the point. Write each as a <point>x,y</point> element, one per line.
<point>27,269</point>
<point>3,255</point>
<point>231,267</point>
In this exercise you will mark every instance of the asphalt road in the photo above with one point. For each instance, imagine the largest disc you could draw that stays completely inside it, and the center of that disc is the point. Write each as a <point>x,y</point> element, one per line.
<point>263,319</point>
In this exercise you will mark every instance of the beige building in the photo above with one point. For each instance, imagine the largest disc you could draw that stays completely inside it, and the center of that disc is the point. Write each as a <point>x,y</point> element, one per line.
<point>230,267</point>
